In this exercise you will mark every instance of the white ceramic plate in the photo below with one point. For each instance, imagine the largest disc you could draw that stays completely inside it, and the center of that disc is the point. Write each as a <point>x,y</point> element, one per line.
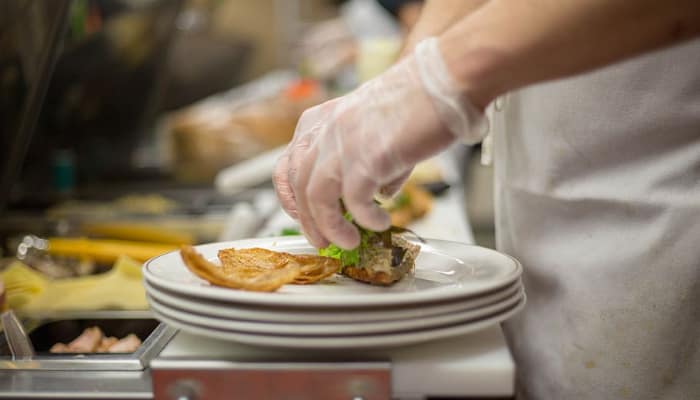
<point>444,271</point>
<point>324,315</point>
<point>325,330</point>
<point>344,342</point>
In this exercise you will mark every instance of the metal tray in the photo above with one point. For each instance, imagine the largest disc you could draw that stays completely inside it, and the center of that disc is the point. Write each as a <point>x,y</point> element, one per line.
<point>44,331</point>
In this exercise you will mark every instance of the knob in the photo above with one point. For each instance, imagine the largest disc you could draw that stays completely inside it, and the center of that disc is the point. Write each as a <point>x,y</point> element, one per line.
<point>184,390</point>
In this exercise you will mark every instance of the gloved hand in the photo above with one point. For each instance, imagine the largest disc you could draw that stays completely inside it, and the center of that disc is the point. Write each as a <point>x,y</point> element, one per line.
<point>353,146</point>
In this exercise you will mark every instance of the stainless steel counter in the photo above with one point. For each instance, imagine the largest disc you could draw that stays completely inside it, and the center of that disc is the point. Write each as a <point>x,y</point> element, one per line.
<point>113,385</point>
<point>86,376</point>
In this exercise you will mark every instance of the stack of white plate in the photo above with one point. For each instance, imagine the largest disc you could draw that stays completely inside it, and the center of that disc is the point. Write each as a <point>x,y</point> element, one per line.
<point>456,289</point>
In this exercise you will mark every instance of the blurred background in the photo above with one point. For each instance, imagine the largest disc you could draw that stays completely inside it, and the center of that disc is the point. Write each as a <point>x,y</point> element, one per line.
<point>132,127</point>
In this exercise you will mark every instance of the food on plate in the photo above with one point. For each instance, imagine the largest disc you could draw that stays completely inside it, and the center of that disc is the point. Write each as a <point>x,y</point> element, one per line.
<point>290,232</point>
<point>382,258</point>
<point>312,268</point>
<point>410,204</point>
<point>259,269</point>
<point>93,340</point>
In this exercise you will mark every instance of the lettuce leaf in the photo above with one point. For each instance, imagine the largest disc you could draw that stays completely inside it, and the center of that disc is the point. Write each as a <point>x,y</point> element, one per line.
<point>348,257</point>
<point>289,232</point>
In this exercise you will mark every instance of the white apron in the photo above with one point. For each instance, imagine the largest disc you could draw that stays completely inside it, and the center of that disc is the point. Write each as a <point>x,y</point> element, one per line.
<point>598,195</point>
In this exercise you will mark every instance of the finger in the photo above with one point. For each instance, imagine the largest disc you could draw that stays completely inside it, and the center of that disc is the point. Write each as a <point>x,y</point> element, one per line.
<point>297,150</point>
<point>324,192</point>
<point>301,161</point>
<point>280,179</point>
<point>299,186</point>
<point>358,196</point>
<point>393,187</point>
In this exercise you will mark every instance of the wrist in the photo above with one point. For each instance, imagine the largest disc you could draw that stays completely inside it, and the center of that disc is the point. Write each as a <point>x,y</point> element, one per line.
<point>456,110</point>
<point>474,66</point>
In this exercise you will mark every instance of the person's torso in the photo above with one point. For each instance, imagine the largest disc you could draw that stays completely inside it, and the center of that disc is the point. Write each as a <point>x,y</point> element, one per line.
<point>598,195</point>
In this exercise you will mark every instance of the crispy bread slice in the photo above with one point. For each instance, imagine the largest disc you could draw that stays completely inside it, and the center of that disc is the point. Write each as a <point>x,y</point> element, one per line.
<point>256,261</point>
<point>376,263</point>
<point>259,269</point>
<point>264,281</point>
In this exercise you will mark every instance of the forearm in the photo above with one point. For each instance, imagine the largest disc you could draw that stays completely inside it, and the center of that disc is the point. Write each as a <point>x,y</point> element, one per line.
<point>508,44</point>
<point>437,16</point>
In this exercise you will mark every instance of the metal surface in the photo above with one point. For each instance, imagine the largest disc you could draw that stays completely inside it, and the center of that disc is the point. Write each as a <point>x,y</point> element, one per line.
<point>187,379</point>
<point>71,385</point>
<point>154,342</point>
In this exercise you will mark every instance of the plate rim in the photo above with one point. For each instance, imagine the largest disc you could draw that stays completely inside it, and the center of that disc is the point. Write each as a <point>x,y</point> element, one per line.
<point>351,329</point>
<point>350,342</point>
<point>319,300</point>
<point>332,316</point>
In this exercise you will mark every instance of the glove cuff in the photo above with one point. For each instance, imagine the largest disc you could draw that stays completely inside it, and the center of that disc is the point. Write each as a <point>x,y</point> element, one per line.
<point>455,110</point>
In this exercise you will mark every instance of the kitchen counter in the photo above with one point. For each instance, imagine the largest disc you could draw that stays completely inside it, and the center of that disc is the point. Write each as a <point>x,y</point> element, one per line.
<point>113,385</point>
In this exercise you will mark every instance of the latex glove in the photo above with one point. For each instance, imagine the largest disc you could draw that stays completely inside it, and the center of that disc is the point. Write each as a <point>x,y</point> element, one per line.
<point>352,146</point>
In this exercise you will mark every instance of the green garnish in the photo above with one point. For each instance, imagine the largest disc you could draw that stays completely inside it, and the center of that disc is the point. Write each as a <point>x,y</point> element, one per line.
<point>348,257</point>
<point>289,232</point>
